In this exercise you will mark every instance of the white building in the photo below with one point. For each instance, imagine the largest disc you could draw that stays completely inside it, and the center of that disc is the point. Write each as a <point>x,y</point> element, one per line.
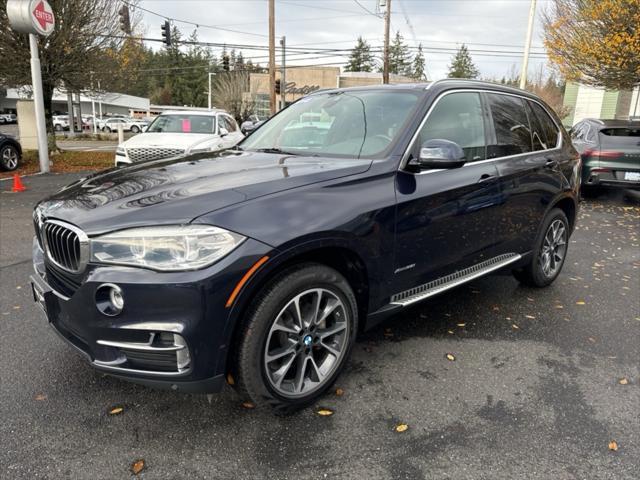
<point>105,103</point>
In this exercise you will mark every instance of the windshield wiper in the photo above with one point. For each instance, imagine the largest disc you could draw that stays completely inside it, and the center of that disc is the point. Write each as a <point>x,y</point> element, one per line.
<point>274,150</point>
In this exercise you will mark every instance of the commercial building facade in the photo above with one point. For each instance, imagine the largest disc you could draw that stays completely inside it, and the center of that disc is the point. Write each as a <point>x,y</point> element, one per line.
<point>301,81</point>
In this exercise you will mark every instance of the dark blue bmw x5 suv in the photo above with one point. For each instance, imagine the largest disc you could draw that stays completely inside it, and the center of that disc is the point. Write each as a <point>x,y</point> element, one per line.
<point>259,265</point>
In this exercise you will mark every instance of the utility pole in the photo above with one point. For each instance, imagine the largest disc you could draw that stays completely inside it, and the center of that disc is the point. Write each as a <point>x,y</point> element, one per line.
<point>527,46</point>
<point>272,57</point>
<point>387,24</point>
<point>210,74</point>
<point>283,73</point>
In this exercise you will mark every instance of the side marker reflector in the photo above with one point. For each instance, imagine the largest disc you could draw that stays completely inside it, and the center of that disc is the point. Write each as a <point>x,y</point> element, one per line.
<point>245,278</point>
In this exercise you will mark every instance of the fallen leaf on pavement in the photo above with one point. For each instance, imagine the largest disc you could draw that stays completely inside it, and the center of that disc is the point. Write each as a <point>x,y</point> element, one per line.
<point>451,332</point>
<point>530,317</point>
<point>515,327</point>
<point>339,392</point>
<point>402,427</point>
<point>592,340</point>
<point>137,466</point>
<point>461,324</point>
<point>623,381</point>
<point>580,302</point>
<point>116,410</point>
<point>451,357</point>
<point>230,379</point>
<point>248,405</point>
<point>613,445</point>
<point>324,412</point>
<point>40,397</point>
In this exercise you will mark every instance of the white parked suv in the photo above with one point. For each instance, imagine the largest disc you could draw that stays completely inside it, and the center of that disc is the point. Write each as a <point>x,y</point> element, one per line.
<point>128,124</point>
<point>173,134</point>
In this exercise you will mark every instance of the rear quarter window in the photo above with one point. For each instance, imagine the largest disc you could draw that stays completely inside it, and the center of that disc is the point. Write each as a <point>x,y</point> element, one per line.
<point>621,132</point>
<point>549,127</point>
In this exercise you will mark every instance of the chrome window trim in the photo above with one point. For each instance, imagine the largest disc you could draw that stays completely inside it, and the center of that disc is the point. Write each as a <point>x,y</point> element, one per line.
<point>405,155</point>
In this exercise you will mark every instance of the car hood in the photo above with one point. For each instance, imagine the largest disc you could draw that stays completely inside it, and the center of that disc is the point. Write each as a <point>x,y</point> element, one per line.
<point>167,140</point>
<point>175,191</point>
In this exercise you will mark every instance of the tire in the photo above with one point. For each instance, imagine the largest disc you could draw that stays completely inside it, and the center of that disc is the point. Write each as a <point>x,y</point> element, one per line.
<point>256,377</point>
<point>538,273</point>
<point>106,129</point>
<point>135,129</point>
<point>9,158</point>
<point>57,127</point>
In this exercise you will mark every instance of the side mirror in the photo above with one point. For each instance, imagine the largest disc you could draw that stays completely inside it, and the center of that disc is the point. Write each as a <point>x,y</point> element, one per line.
<point>439,153</point>
<point>223,132</point>
<point>246,126</point>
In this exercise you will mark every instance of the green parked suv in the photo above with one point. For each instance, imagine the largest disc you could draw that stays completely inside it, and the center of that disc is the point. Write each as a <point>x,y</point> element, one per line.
<point>610,151</point>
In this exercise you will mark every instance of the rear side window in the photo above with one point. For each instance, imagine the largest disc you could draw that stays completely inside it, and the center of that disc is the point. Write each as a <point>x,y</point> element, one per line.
<point>548,125</point>
<point>513,135</point>
<point>621,132</point>
<point>457,117</point>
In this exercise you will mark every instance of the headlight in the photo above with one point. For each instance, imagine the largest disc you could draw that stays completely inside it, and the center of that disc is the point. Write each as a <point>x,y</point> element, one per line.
<point>172,248</point>
<point>120,151</point>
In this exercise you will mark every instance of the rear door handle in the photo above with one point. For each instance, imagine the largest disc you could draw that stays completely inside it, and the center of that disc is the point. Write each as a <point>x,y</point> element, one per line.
<point>550,163</point>
<point>487,177</point>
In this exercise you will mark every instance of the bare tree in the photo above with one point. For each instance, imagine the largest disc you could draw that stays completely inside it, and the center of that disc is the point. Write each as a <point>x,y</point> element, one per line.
<point>231,92</point>
<point>71,56</point>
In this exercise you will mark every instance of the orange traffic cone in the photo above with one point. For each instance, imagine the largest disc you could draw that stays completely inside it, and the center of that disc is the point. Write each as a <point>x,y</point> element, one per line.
<point>17,184</point>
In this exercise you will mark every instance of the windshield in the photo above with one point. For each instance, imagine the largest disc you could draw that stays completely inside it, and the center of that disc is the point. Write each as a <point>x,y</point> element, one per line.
<point>340,124</point>
<point>183,124</point>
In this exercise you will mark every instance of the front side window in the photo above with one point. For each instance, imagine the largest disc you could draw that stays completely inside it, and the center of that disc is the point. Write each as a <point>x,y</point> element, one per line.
<point>183,123</point>
<point>513,134</point>
<point>337,124</point>
<point>457,117</point>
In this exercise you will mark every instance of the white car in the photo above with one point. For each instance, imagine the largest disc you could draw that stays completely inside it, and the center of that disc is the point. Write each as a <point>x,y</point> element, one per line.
<point>174,134</point>
<point>60,122</point>
<point>128,124</point>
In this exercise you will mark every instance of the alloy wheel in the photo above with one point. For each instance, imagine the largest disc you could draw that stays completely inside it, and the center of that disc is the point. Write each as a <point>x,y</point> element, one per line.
<point>306,342</point>
<point>554,248</point>
<point>10,158</point>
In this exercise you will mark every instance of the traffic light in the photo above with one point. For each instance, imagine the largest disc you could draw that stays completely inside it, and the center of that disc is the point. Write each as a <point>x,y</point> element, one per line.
<point>277,88</point>
<point>166,33</point>
<point>225,63</point>
<point>125,20</point>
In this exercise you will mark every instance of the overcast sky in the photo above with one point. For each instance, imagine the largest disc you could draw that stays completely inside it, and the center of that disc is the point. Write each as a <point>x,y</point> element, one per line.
<point>486,26</point>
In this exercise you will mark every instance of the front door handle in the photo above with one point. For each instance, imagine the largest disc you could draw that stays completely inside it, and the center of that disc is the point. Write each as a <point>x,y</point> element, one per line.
<point>487,177</point>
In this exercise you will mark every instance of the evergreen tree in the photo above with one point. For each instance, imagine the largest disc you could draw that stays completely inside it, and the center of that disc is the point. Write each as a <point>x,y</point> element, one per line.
<point>419,65</point>
<point>361,59</point>
<point>399,57</point>
<point>462,65</point>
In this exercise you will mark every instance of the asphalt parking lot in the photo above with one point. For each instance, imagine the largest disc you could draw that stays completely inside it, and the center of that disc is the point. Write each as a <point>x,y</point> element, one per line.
<point>534,390</point>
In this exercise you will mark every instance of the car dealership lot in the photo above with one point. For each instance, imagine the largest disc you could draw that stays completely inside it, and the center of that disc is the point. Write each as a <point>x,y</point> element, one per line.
<point>533,391</point>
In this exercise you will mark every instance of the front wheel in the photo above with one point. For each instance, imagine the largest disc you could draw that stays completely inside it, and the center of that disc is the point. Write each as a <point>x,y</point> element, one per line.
<point>298,334</point>
<point>135,129</point>
<point>106,129</point>
<point>549,253</point>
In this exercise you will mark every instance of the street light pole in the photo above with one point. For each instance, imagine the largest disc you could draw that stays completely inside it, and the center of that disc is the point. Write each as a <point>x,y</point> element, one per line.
<point>283,74</point>
<point>527,47</point>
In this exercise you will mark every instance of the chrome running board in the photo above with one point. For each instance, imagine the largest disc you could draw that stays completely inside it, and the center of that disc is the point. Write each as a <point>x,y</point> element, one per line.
<point>439,285</point>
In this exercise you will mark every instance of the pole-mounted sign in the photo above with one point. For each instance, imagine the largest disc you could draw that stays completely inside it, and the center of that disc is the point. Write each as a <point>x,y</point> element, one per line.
<point>34,17</point>
<point>31,16</point>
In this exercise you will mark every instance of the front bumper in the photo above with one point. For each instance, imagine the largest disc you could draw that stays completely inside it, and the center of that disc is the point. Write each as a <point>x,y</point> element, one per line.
<point>167,317</point>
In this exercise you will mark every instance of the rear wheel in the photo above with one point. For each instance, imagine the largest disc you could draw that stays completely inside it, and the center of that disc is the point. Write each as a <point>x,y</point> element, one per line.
<point>106,129</point>
<point>296,339</point>
<point>9,158</point>
<point>135,129</point>
<point>549,253</point>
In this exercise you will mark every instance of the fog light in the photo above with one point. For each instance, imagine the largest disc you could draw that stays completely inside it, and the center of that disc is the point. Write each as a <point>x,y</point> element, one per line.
<point>109,299</point>
<point>182,356</point>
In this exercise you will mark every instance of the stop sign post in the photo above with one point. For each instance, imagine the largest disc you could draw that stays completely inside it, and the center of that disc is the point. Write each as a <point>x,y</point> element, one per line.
<point>34,17</point>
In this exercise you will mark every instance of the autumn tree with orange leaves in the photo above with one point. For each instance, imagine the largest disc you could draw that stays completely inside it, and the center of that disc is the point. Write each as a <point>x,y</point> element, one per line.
<point>596,42</point>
